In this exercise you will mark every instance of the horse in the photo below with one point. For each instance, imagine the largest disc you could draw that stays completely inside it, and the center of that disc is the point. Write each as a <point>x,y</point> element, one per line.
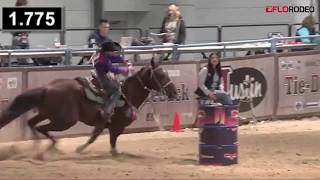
<point>63,102</point>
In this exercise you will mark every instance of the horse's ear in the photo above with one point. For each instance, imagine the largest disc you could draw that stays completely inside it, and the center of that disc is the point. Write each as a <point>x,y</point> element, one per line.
<point>153,64</point>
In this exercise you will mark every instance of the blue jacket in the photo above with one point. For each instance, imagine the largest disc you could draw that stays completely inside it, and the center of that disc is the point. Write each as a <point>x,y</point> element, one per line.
<point>98,38</point>
<point>304,32</point>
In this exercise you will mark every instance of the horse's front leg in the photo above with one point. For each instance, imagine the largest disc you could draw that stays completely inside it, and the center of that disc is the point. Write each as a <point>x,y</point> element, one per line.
<point>114,134</point>
<point>98,129</point>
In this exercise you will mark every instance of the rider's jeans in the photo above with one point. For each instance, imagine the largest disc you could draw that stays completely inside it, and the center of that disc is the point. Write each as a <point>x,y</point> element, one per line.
<point>223,97</point>
<point>111,103</point>
<point>113,94</point>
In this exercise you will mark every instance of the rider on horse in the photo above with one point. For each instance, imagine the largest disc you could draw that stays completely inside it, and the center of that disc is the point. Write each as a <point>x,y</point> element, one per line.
<point>108,55</point>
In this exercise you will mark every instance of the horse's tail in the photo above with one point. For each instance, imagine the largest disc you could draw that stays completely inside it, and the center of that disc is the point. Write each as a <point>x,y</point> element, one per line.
<point>21,104</point>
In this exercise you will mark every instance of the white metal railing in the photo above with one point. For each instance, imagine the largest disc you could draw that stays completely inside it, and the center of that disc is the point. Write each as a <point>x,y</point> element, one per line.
<point>271,44</point>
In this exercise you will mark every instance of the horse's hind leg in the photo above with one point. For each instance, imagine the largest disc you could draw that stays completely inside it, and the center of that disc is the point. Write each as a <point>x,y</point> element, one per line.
<point>32,123</point>
<point>114,134</point>
<point>44,129</point>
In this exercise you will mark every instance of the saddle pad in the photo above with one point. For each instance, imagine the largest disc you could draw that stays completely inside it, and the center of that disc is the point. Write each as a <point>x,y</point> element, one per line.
<point>92,94</point>
<point>93,97</point>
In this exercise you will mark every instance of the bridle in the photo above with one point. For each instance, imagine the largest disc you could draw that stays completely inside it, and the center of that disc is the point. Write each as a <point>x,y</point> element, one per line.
<point>139,78</point>
<point>154,77</point>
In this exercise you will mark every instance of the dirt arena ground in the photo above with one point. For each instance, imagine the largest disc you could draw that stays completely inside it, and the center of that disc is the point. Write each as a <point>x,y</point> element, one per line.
<point>270,150</point>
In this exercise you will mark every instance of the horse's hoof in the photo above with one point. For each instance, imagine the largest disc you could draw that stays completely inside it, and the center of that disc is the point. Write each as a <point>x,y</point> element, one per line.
<point>57,151</point>
<point>80,149</point>
<point>114,152</point>
<point>13,149</point>
<point>39,156</point>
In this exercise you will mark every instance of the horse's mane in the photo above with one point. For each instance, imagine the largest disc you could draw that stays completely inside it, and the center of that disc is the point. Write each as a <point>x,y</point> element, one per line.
<point>141,71</point>
<point>133,77</point>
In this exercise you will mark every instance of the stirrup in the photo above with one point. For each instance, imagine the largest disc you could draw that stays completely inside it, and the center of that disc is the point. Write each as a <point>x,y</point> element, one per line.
<point>120,103</point>
<point>104,114</point>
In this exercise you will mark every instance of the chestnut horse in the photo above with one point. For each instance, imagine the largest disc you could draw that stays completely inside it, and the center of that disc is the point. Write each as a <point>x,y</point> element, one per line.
<point>64,103</point>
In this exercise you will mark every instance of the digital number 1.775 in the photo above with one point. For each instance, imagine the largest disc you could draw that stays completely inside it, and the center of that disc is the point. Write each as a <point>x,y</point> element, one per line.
<point>49,18</point>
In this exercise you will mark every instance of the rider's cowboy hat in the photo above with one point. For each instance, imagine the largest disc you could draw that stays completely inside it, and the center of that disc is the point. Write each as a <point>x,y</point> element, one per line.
<point>110,46</point>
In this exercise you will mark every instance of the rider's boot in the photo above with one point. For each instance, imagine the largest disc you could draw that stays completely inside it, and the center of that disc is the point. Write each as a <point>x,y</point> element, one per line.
<point>109,107</point>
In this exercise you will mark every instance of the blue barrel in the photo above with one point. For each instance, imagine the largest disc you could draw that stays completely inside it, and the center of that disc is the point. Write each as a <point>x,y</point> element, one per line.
<point>218,134</point>
<point>218,155</point>
<point>216,114</point>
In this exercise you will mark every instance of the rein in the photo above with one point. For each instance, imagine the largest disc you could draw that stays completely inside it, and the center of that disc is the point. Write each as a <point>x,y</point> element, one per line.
<point>142,84</point>
<point>161,87</point>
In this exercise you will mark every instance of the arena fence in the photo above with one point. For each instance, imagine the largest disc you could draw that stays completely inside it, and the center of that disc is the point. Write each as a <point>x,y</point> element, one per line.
<point>278,85</point>
<point>269,45</point>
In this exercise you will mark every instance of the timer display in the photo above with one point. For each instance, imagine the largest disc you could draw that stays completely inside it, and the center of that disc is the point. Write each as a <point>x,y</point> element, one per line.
<point>32,18</point>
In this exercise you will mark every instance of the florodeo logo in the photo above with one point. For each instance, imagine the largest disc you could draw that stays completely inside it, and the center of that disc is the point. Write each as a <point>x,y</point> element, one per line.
<point>245,84</point>
<point>289,9</point>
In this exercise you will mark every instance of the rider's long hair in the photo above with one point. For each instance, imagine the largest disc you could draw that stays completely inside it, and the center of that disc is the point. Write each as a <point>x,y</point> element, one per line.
<point>217,69</point>
<point>308,22</point>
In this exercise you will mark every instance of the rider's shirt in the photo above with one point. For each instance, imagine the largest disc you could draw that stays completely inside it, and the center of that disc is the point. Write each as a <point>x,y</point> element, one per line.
<point>104,65</point>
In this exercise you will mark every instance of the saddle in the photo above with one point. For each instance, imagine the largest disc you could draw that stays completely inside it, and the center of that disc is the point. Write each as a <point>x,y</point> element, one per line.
<point>94,91</point>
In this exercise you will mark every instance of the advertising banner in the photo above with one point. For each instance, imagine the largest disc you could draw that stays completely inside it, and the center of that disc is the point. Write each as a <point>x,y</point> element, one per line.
<point>250,82</point>
<point>10,87</point>
<point>158,111</point>
<point>299,84</point>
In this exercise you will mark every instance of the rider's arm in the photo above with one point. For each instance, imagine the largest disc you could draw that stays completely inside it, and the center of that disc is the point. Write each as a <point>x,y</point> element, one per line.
<point>221,86</point>
<point>118,70</point>
<point>114,69</point>
<point>117,59</point>
<point>202,78</point>
<point>104,67</point>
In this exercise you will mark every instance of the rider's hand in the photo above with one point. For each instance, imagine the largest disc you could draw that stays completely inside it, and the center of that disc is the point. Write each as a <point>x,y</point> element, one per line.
<point>212,96</point>
<point>126,72</point>
<point>130,68</point>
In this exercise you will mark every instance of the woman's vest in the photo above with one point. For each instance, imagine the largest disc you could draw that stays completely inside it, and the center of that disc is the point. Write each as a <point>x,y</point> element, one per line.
<point>209,81</point>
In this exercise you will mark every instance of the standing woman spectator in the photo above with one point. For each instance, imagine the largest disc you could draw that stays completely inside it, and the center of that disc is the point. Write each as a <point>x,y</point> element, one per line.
<point>307,29</point>
<point>173,26</point>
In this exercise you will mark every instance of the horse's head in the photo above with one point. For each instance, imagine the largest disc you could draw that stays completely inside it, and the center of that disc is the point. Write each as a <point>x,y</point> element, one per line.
<point>157,79</point>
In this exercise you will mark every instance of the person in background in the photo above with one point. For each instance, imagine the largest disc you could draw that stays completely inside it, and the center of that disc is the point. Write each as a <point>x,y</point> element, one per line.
<point>211,84</point>
<point>103,65</point>
<point>101,35</point>
<point>307,29</point>
<point>20,40</point>
<point>173,25</point>
<point>97,38</point>
<point>211,81</point>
